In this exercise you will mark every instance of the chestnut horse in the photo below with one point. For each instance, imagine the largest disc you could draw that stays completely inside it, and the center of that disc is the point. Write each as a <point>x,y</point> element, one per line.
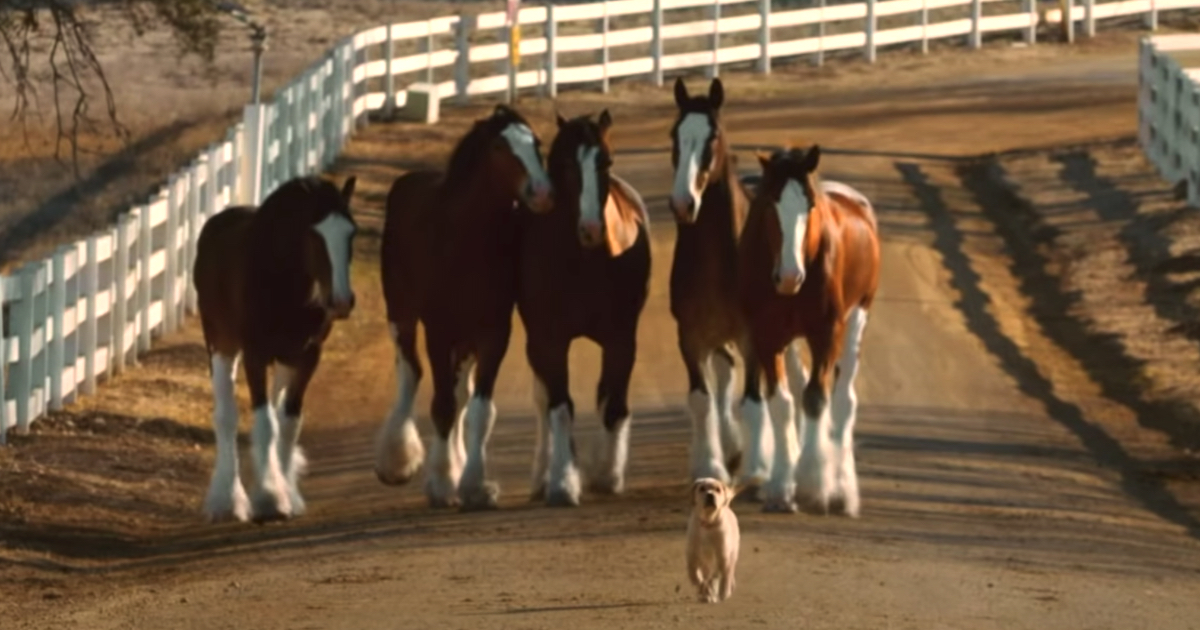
<point>710,204</point>
<point>269,283</point>
<point>809,268</point>
<point>585,272</point>
<point>449,260</point>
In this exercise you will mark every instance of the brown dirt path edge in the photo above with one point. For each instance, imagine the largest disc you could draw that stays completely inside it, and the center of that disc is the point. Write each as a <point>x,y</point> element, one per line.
<point>986,501</point>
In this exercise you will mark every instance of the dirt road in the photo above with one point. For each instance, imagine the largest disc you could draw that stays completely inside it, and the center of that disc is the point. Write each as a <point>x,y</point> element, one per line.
<point>1000,488</point>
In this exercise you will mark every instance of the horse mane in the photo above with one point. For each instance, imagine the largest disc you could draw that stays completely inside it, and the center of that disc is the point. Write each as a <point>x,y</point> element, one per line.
<point>472,147</point>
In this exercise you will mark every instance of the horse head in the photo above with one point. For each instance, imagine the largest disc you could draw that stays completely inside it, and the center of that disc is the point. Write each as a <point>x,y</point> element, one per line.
<point>788,187</point>
<point>513,158</point>
<point>328,244</point>
<point>580,159</point>
<point>697,151</point>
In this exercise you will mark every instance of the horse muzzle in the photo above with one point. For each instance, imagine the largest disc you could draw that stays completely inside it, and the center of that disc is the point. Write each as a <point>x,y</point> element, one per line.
<point>540,198</point>
<point>591,233</point>
<point>684,209</point>
<point>788,283</point>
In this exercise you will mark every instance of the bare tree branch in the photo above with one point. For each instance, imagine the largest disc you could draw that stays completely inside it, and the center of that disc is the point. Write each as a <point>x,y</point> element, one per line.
<point>56,33</point>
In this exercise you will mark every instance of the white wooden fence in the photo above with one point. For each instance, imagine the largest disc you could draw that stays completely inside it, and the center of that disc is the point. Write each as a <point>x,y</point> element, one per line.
<point>1169,108</point>
<point>90,309</point>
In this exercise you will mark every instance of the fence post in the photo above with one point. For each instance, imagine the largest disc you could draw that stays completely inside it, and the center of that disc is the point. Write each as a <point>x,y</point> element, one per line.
<point>551,57</point>
<point>975,39</point>
<point>43,329</point>
<point>121,284</point>
<point>819,58</point>
<point>714,40</point>
<point>462,63</point>
<point>71,344</point>
<point>193,232</point>
<point>1031,11</point>
<point>656,42</point>
<point>429,50</point>
<point>3,368</point>
<point>602,54</point>
<point>869,32</point>
<point>145,251</point>
<point>512,35</point>
<point>1089,18</point>
<point>357,90</point>
<point>22,328</point>
<point>1151,17</point>
<point>252,154</point>
<point>171,248</point>
<point>111,330</point>
<point>91,281</point>
<point>58,306</point>
<point>764,36</point>
<point>1068,20</point>
<point>212,185</point>
<point>389,81</point>
<point>349,58</point>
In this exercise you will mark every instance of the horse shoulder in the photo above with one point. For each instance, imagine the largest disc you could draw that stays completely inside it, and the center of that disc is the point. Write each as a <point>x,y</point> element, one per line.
<point>625,215</point>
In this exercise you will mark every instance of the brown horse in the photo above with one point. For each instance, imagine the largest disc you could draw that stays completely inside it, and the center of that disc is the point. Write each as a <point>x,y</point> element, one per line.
<point>449,260</point>
<point>710,204</point>
<point>585,272</point>
<point>270,282</point>
<point>809,268</point>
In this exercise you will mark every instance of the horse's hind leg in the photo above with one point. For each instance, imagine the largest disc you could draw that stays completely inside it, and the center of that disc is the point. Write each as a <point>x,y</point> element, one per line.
<point>845,411</point>
<point>618,358</point>
<point>399,453</point>
<point>226,499</point>
<point>478,492</point>
<point>270,499</point>
<point>706,459</point>
<point>724,373</point>
<point>464,390</point>
<point>541,445</point>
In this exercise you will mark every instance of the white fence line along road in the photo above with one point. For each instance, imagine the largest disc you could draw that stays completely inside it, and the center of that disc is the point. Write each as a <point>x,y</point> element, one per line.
<point>90,309</point>
<point>1169,108</point>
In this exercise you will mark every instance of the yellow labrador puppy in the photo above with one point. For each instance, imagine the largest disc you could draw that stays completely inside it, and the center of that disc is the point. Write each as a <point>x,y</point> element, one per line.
<point>713,540</point>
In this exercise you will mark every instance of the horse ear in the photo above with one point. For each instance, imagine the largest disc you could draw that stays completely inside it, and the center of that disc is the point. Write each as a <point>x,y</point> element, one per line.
<point>558,118</point>
<point>605,121</point>
<point>681,93</point>
<point>716,94</point>
<point>348,188</point>
<point>501,108</point>
<point>764,159</point>
<point>812,158</point>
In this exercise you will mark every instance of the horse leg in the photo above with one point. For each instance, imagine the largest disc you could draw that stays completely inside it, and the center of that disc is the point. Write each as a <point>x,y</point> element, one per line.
<point>781,487</point>
<point>290,397</point>
<point>724,373</point>
<point>816,472</point>
<point>797,381</point>
<point>706,441</point>
<point>226,499</point>
<point>443,472</point>
<point>549,363</point>
<point>760,442</point>
<point>845,411</point>
<point>399,453</point>
<point>617,362</point>
<point>477,491</point>
<point>270,499</point>
<point>464,389</point>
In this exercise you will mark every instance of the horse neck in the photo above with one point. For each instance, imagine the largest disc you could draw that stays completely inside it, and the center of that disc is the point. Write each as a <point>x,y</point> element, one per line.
<point>476,201</point>
<point>822,221</point>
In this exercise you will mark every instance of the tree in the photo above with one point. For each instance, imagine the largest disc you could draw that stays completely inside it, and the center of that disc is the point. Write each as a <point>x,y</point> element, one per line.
<point>49,44</point>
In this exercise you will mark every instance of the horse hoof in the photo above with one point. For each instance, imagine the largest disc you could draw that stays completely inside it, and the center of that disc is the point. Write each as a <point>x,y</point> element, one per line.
<point>815,506</point>
<point>270,516</point>
<point>392,479</point>
<point>748,494</point>
<point>607,484</point>
<point>779,506</point>
<point>486,497</point>
<point>225,516</point>
<point>733,463</point>
<point>561,498</point>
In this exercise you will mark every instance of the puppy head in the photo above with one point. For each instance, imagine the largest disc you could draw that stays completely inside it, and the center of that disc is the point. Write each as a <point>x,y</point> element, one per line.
<point>709,497</point>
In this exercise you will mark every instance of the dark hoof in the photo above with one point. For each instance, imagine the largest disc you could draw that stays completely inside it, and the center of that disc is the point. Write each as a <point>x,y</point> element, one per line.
<point>815,507</point>
<point>441,503</point>
<point>748,494</point>
<point>779,506</point>
<point>389,479</point>
<point>561,498</point>
<point>606,485</point>
<point>837,506</point>
<point>538,493</point>
<point>733,464</point>
<point>480,499</point>
<point>271,516</point>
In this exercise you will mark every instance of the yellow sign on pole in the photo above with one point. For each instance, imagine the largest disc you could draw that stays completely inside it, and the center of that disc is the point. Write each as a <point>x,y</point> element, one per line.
<point>514,45</point>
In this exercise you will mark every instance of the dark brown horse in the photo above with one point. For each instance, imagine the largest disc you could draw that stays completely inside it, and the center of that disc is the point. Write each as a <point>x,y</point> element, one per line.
<point>710,204</point>
<point>269,283</point>
<point>809,268</point>
<point>585,272</point>
<point>449,261</point>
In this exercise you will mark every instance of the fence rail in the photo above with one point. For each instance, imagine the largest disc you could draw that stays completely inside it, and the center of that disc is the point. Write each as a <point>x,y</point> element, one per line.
<point>1169,108</point>
<point>91,308</point>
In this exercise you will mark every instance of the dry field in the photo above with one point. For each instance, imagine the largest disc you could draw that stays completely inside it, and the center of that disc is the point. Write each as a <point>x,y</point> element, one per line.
<point>1025,442</point>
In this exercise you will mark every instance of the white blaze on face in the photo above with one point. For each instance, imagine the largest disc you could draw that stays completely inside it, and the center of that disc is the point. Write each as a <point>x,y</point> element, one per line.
<point>692,135</point>
<point>793,209</point>
<point>336,230</point>
<point>589,197</point>
<point>521,142</point>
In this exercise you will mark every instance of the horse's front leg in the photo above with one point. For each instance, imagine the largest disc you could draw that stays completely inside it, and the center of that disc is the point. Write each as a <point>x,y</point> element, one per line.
<point>781,488</point>
<point>760,436</point>
<point>443,470</point>
<point>269,500</point>
<point>706,457</point>
<point>844,497</point>
<point>290,384</point>
<point>226,498</point>
<point>815,476</point>
<point>724,373</point>
<point>478,492</point>
<point>617,368</point>
<point>548,359</point>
